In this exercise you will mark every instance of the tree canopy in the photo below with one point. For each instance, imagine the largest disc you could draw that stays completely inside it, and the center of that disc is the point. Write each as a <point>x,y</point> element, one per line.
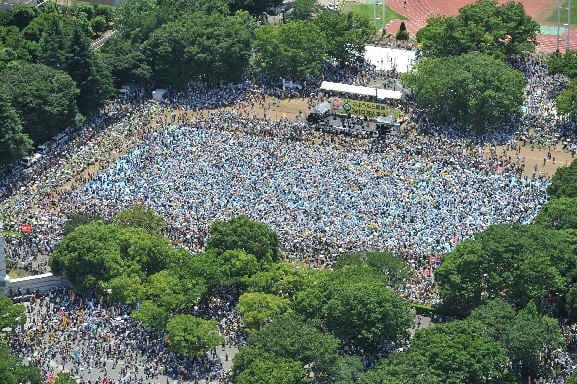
<point>357,307</point>
<point>14,143</point>
<point>240,232</point>
<point>296,48</point>
<point>473,91</point>
<point>12,371</point>
<point>95,253</point>
<point>455,352</point>
<point>200,46</point>
<point>520,263</point>
<point>500,31</point>
<point>45,98</point>
<point>564,182</point>
<point>191,336</point>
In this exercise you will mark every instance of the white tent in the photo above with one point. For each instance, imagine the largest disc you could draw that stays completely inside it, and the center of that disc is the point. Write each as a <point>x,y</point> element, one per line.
<point>356,90</point>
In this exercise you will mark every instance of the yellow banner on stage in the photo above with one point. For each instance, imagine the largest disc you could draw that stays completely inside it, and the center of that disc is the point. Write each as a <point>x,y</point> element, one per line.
<point>365,108</point>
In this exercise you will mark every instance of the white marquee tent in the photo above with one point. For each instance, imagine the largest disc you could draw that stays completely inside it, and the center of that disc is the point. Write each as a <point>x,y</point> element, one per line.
<point>380,93</point>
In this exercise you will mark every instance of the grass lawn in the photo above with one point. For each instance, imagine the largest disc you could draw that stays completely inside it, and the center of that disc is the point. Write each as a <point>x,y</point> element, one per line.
<point>367,11</point>
<point>564,4</point>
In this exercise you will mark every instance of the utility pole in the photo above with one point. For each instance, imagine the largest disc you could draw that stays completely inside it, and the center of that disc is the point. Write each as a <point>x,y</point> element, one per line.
<point>383,13</point>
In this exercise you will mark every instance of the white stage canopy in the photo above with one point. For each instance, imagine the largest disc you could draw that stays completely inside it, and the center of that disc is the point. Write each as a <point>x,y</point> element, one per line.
<point>381,93</point>
<point>386,59</point>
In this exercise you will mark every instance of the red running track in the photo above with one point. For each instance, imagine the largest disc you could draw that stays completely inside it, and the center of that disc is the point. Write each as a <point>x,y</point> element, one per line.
<point>418,11</point>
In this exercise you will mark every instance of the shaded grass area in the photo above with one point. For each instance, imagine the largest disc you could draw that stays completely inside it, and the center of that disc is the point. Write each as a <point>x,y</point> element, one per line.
<point>366,10</point>
<point>552,18</point>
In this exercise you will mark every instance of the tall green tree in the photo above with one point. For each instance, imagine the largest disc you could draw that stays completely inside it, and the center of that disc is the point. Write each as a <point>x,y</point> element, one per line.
<point>64,378</point>
<point>289,337</point>
<point>87,69</point>
<point>302,10</point>
<point>559,213</point>
<point>387,265</point>
<point>565,63</point>
<point>456,352</point>
<point>295,49</point>
<point>346,35</point>
<point>45,98</point>
<point>14,143</point>
<point>258,308</point>
<point>526,335</point>
<point>256,7</point>
<point>55,33</point>
<point>520,264</point>
<point>11,315</point>
<point>200,46</point>
<point>283,279</point>
<point>12,371</point>
<point>192,336</point>
<point>139,216</point>
<point>255,366</point>
<point>95,253</point>
<point>475,91</point>
<point>357,307</point>
<point>564,182</point>
<point>566,101</point>
<point>500,31</point>
<point>255,238</point>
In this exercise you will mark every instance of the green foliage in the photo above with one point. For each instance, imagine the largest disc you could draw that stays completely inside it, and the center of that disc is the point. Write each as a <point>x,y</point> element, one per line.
<point>45,98</point>
<point>255,238</point>
<point>87,69</point>
<point>457,352</point>
<point>473,90</point>
<point>11,315</point>
<point>500,31</point>
<point>293,49</point>
<point>126,61</point>
<point>198,45</point>
<point>64,378</point>
<point>520,264</point>
<point>566,101</point>
<point>76,219</point>
<point>385,264</point>
<point>559,213</point>
<point>563,63</point>
<point>93,254</point>
<point>98,25</point>
<point>256,7</point>
<point>20,15</point>
<point>289,337</point>
<point>12,371</point>
<point>528,336</point>
<point>357,307</point>
<point>283,279</point>
<point>191,336</point>
<point>260,308</point>
<point>139,216</point>
<point>564,182</point>
<point>346,35</point>
<point>254,366</point>
<point>151,315</point>
<point>302,10</point>
<point>402,33</point>
<point>14,143</point>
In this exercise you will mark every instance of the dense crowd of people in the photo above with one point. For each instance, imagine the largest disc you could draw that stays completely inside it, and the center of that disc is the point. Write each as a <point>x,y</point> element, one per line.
<point>323,194</point>
<point>100,343</point>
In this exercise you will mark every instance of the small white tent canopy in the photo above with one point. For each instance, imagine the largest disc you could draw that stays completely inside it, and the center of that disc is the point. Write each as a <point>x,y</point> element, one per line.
<point>355,90</point>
